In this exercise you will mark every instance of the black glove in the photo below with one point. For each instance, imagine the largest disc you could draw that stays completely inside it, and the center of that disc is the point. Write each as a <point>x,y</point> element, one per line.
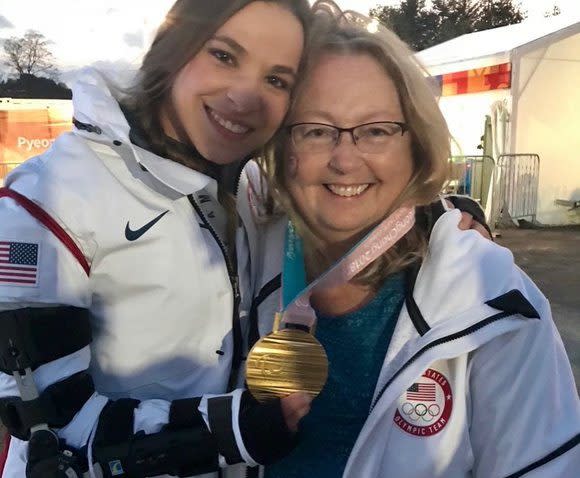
<point>264,430</point>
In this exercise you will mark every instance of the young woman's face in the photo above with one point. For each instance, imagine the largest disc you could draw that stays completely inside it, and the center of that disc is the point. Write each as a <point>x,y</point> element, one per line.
<point>342,192</point>
<point>232,96</point>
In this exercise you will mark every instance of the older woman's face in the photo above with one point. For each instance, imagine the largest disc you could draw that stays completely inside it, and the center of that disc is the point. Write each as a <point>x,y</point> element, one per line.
<point>343,192</point>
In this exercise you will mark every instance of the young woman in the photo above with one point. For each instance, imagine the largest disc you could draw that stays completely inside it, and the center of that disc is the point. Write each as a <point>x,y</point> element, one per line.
<point>119,291</point>
<point>443,357</point>
<point>118,271</point>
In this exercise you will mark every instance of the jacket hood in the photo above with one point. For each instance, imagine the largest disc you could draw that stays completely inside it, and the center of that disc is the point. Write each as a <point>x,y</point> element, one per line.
<point>95,101</point>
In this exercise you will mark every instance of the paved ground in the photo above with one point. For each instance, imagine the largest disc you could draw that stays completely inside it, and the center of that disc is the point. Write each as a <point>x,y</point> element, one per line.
<point>551,257</point>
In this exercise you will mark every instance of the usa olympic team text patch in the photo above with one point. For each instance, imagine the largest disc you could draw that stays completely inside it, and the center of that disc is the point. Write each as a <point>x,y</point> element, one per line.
<point>425,407</point>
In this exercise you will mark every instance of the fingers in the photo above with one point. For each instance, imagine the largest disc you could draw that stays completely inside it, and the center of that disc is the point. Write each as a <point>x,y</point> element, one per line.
<point>294,408</point>
<point>466,222</point>
<point>476,226</point>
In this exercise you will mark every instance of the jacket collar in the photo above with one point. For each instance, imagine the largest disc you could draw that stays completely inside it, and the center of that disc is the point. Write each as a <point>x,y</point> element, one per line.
<point>95,102</point>
<point>176,176</point>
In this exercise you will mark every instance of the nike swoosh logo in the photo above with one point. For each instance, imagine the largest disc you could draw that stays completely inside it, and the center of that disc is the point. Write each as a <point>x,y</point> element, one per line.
<point>134,235</point>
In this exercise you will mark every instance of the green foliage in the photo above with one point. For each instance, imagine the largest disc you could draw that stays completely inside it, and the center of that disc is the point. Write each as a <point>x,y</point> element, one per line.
<point>421,26</point>
<point>412,21</point>
<point>497,13</point>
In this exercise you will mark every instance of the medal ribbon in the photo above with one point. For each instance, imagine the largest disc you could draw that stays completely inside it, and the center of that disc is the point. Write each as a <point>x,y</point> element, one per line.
<point>296,308</point>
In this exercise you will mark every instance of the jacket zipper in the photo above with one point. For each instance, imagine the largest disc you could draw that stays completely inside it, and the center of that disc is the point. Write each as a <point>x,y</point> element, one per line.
<point>265,292</point>
<point>251,472</point>
<point>435,343</point>
<point>234,282</point>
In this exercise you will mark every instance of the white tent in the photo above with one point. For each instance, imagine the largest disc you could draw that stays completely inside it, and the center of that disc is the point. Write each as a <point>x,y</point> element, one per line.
<point>538,111</point>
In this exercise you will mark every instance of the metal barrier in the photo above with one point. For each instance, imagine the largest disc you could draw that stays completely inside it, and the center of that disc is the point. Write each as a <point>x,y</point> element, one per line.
<point>516,181</point>
<point>5,168</point>
<point>471,175</point>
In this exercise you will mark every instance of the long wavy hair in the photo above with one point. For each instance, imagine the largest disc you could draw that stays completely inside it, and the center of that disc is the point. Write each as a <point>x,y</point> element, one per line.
<point>188,25</point>
<point>348,33</point>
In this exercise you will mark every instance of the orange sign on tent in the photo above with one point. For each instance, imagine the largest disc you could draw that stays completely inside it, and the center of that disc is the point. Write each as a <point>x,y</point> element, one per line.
<point>26,131</point>
<point>494,77</point>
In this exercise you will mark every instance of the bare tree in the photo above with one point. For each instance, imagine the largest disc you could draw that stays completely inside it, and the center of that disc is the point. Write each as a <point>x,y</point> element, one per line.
<point>30,55</point>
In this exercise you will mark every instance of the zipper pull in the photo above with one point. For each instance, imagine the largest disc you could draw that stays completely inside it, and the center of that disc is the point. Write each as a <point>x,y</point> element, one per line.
<point>236,287</point>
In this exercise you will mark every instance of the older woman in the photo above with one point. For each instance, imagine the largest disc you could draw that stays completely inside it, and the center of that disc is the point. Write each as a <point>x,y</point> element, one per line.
<point>443,357</point>
<point>119,288</point>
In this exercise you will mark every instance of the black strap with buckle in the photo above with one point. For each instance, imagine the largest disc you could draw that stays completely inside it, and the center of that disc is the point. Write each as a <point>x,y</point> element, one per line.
<point>31,337</point>
<point>56,406</point>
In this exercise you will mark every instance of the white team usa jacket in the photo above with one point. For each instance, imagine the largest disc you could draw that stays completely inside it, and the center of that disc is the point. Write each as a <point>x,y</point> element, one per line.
<point>159,292</point>
<point>485,390</point>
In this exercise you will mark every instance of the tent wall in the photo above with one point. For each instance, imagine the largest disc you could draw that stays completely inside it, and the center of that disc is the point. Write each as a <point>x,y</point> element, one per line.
<point>465,115</point>
<point>547,118</point>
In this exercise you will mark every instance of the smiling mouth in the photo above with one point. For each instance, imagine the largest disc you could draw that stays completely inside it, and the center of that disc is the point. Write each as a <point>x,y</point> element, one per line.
<point>347,191</point>
<point>235,128</point>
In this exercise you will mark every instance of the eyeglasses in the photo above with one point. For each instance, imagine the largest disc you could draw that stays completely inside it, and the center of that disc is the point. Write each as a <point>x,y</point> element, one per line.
<point>323,138</point>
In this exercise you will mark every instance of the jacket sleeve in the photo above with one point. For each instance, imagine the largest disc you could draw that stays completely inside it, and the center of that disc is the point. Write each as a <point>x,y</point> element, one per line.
<point>57,280</point>
<point>525,412</point>
<point>53,278</point>
<point>223,428</point>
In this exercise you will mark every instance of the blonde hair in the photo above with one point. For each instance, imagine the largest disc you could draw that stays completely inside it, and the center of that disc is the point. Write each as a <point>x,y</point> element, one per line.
<point>346,33</point>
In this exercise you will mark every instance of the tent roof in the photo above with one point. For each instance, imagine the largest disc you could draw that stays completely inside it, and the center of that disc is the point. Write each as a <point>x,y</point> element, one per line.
<point>489,47</point>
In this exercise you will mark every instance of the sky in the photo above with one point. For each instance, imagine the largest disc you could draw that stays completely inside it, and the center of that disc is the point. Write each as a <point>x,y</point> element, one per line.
<point>117,32</point>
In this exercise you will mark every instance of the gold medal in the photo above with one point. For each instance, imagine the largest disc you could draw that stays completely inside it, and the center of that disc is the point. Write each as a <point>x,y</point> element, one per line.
<point>291,360</point>
<point>284,362</point>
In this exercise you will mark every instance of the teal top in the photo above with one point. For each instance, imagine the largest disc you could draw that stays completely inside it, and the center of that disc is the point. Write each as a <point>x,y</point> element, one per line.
<point>356,344</point>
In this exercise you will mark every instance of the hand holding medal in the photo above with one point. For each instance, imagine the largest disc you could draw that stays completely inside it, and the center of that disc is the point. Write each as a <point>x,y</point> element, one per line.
<point>290,359</point>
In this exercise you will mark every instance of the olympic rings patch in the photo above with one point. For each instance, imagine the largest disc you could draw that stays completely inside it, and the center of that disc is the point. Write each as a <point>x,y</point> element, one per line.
<point>425,407</point>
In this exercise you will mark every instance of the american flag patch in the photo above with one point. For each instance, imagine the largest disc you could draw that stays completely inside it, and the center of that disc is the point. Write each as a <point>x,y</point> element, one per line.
<point>18,264</point>
<point>425,392</point>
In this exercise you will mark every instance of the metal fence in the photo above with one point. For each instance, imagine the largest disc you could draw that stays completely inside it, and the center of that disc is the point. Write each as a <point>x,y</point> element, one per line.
<point>471,175</point>
<point>516,182</point>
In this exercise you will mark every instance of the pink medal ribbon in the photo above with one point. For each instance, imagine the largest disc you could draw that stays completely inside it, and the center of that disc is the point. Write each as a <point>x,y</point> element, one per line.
<point>377,242</point>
